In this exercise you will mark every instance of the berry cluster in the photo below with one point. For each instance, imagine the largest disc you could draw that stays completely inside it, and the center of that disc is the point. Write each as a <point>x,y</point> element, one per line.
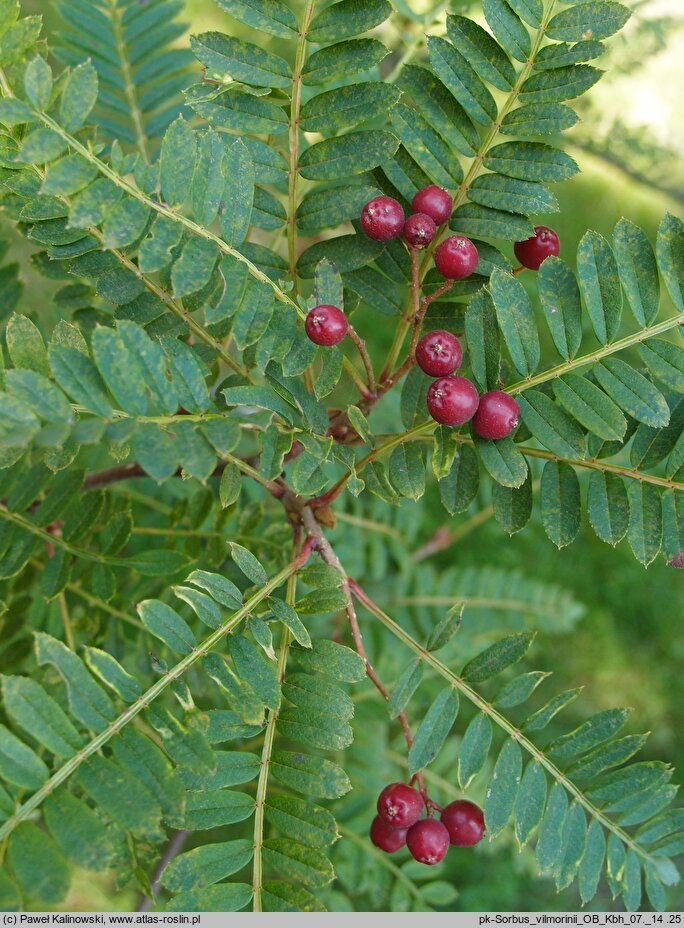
<point>399,823</point>
<point>454,400</point>
<point>382,219</point>
<point>451,400</point>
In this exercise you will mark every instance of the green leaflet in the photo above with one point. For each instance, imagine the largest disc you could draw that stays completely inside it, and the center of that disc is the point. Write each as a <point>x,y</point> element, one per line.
<point>38,82</point>
<point>211,808</point>
<point>573,843</point>
<point>638,271</point>
<point>559,84</point>
<point>306,865</point>
<point>308,823</point>
<point>508,29</point>
<point>207,864</point>
<point>321,210</point>
<point>346,106</point>
<point>458,489</point>
<point>514,196</point>
<point>272,16</point>
<point>590,406</point>
<point>30,707</point>
<point>474,749</point>
<point>503,788</point>
<point>342,60</point>
<point>532,161</point>
<point>226,897</point>
<point>166,624</point>
<point>537,119</point>
<point>670,255</point>
<point>404,688</point>
<point>645,528</point>
<point>459,77</point>
<point>407,470</point>
<point>530,802</point>
<point>439,108</point>
<point>503,461</point>
<point>519,689</point>
<point>600,285</point>
<point>484,53</point>
<point>512,505</point>
<point>496,658</point>
<point>426,146</point>
<point>633,392</point>
<point>309,775</point>
<point>551,830</point>
<point>561,505</point>
<point>239,173</point>
<point>600,19</point>
<point>18,763</point>
<point>608,506</point>
<point>592,862</point>
<point>79,94</point>
<point>30,848</point>
<point>516,321</point>
<point>177,162</point>
<point>346,155</point>
<point>347,18</point>
<point>433,730</point>
<point>228,56</point>
<point>551,425</point>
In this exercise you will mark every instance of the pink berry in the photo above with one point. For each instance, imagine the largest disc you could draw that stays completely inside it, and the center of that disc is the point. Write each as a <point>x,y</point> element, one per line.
<point>439,353</point>
<point>535,250</point>
<point>497,415</point>
<point>382,219</point>
<point>435,201</point>
<point>400,805</point>
<point>428,841</point>
<point>419,230</point>
<point>326,325</point>
<point>385,837</point>
<point>452,400</point>
<point>456,257</point>
<point>464,821</point>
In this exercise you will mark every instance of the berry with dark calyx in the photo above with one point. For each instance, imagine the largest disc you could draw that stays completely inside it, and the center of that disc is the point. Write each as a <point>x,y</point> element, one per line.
<point>435,201</point>
<point>452,400</point>
<point>428,841</point>
<point>400,805</point>
<point>419,230</point>
<point>535,250</point>
<point>497,415</point>
<point>464,821</point>
<point>382,219</point>
<point>439,353</point>
<point>326,325</point>
<point>385,837</point>
<point>456,257</point>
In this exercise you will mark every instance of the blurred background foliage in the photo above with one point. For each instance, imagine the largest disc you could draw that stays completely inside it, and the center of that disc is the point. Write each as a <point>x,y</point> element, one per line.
<point>627,646</point>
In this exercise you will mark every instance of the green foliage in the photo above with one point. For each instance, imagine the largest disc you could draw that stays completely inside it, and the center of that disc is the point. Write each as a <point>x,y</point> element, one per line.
<point>183,231</point>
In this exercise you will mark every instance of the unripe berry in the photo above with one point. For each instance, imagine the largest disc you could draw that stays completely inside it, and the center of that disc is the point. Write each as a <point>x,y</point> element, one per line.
<point>464,821</point>
<point>439,353</point>
<point>456,257</point>
<point>535,250</point>
<point>452,400</point>
<point>400,805</point>
<point>419,230</point>
<point>434,201</point>
<point>385,837</point>
<point>382,219</point>
<point>497,415</point>
<point>326,325</point>
<point>428,841</point>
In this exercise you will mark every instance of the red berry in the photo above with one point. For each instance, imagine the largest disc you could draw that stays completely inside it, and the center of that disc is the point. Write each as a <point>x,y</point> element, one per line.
<point>419,230</point>
<point>464,821</point>
<point>400,805</point>
<point>497,415</point>
<point>428,841</point>
<point>439,353</point>
<point>452,400</point>
<point>385,837</point>
<point>382,219</point>
<point>326,325</point>
<point>456,257</point>
<point>534,251</point>
<point>434,201</point>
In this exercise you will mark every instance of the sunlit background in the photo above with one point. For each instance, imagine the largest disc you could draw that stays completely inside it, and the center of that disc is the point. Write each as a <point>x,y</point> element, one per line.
<point>629,647</point>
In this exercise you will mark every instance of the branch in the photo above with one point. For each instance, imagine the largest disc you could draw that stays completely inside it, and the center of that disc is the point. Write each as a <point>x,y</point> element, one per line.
<point>500,720</point>
<point>326,551</point>
<point>26,809</point>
